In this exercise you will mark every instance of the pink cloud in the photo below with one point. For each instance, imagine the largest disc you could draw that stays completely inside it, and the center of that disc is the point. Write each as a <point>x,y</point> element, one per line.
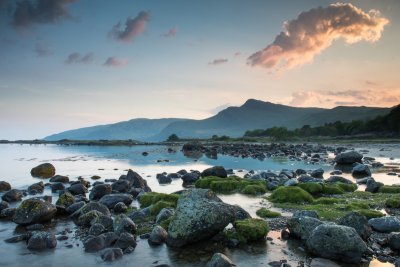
<point>313,31</point>
<point>170,33</point>
<point>115,62</point>
<point>133,27</point>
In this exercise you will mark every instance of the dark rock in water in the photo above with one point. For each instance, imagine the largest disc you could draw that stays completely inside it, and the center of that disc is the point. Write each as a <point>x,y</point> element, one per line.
<point>65,200</point>
<point>385,224</point>
<point>373,186</point>
<point>77,189</point>
<point>308,179</point>
<point>337,242</point>
<point>137,181</point>
<point>163,179</point>
<point>86,219</point>
<point>190,178</point>
<point>129,250</point>
<point>120,207</point>
<point>111,254</point>
<point>174,175</point>
<point>93,206</point>
<point>98,191</point>
<point>218,171</point>
<point>4,205</point>
<point>74,207</point>
<point>182,172</point>
<point>348,158</point>
<point>139,215</point>
<point>360,171</point>
<point>157,236</point>
<point>121,186</point>
<point>18,238</point>
<point>199,215</point>
<point>96,229</point>
<point>397,263</point>
<point>4,186</point>
<point>112,199</point>
<point>122,224</point>
<point>319,173</point>
<point>394,242</point>
<point>338,179</point>
<point>192,146</point>
<point>35,227</point>
<point>104,220</point>
<point>45,170</point>
<point>41,240</point>
<point>94,243</point>
<point>358,222</point>
<point>59,179</point>
<point>125,240</point>
<point>13,195</point>
<point>301,227</point>
<point>34,210</point>
<point>145,153</point>
<point>110,238</point>
<point>220,260</point>
<point>7,213</point>
<point>300,171</point>
<point>336,172</point>
<point>58,186</point>
<point>320,262</point>
<point>164,214</point>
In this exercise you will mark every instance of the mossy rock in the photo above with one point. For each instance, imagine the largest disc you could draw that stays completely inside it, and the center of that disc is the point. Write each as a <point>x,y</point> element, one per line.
<point>291,194</point>
<point>370,213</point>
<point>347,187</point>
<point>157,207</point>
<point>332,189</point>
<point>389,189</point>
<point>265,213</point>
<point>327,201</point>
<point>231,184</point>
<point>164,224</point>
<point>65,200</point>
<point>153,197</point>
<point>254,190</point>
<point>312,188</point>
<point>224,187</point>
<point>45,170</point>
<point>251,229</point>
<point>393,203</point>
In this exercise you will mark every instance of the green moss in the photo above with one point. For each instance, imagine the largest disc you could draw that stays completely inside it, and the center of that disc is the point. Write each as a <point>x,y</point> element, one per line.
<point>143,230</point>
<point>153,197</point>
<point>312,188</point>
<point>224,187</point>
<point>264,213</point>
<point>393,203</point>
<point>347,187</point>
<point>327,201</point>
<point>371,213</point>
<point>291,194</point>
<point>390,189</point>
<point>251,229</point>
<point>165,224</point>
<point>232,184</point>
<point>157,207</point>
<point>65,200</point>
<point>357,205</point>
<point>332,189</point>
<point>254,190</point>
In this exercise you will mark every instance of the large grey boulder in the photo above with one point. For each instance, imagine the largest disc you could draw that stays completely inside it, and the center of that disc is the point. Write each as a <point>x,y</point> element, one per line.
<point>394,241</point>
<point>348,158</point>
<point>34,210</point>
<point>45,170</point>
<point>359,222</point>
<point>336,242</point>
<point>13,195</point>
<point>199,215</point>
<point>100,190</point>
<point>41,240</point>
<point>360,171</point>
<point>385,224</point>
<point>301,227</point>
<point>4,186</point>
<point>220,260</point>
<point>218,171</point>
<point>137,181</point>
<point>157,236</point>
<point>112,199</point>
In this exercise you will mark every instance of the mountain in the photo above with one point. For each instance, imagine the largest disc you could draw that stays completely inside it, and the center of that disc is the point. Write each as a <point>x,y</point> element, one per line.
<point>136,129</point>
<point>232,121</point>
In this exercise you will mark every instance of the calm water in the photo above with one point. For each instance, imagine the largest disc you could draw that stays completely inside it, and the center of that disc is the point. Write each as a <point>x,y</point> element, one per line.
<point>111,162</point>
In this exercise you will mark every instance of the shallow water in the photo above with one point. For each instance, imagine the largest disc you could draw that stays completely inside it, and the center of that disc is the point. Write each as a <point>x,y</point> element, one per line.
<point>111,162</point>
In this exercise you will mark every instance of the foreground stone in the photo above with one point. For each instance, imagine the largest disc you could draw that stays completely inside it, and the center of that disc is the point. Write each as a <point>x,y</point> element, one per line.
<point>358,222</point>
<point>13,195</point>
<point>112,199</point>
<point>4,186</point>
<point>218,171</point>
<point>34,210</point>
<point>337,242</point>
<point>45,170</point>
<point>41,240</point>
<point>348,158</point>
<point>220,260</point>
<point>158,236</point>
<point>301,227</point>
<point>385,224</point>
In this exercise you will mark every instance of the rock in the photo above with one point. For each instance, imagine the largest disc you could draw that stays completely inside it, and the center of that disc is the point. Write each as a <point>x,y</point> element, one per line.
<point>34,210</point>
<point>120,207</point>
<point>7,213</point>
<point>336,242</point>
<point>358,222</point>
<point>348,158</point>
<point>338,179</point>
<point>110,238</point>
<point>336,172</point>
<point>360,171</point>
<point>111,254</point>
<point>13,195</point>
<point>137,181</point>
<point>122,224</point>
<point>192,146</point>
<point>35,227</point>
<point>318,173</point>
<point>158,236</point>
<point>301,227</point>
<point>74,207</point>
<point>199,215</point>
<point>174,175</point>
<point>18,238</point>
<point>320,262</point>
<point>100,190</point>
<point>97,229</point>
<point>121,186</point>
<point>220,260</point>
<point>112,199</point>
<point>291,182</point>
<point>164,214</point>
<point>4,186</point>
<point>385,224</point>
<point>77,189</point>
<point>94,243</point>
<point>373,186</point>
<point>125,240</point>
<point>59,179</point>
<point>58,186</point>
<point>163,179</point>
<point>397,263</point>
<point>394,242</point>
<point>190,178</point>
<point>65,200</point>
<point>218,171</point>
<point>308,179</point>
<point>86,219</point>
<point>104,220</point>
<point>93,206</point>
<point>4,205</point>
<point>41,240</point>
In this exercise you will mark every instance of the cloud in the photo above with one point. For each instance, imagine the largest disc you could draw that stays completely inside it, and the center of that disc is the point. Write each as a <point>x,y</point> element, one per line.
<point>133,27</point>
<point>380,97</point>
<point>218,61</point>
<point>170,33</point>
<point>29,13</point>
<point>43,50</point>
<point>315,30</point>
<point>115,62</point>
<point>237,54</point>
<point>76,58</point>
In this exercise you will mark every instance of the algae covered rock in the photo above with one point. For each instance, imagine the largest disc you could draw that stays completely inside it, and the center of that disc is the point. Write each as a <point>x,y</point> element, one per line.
<point>217,171</point>
<point>302,226</point>
<point>292,194</point>
<point>45,170</point>
<point>251,229</point>
<point>34,210</point>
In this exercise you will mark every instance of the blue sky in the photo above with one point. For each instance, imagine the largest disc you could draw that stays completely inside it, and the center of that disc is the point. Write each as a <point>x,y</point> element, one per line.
<point>155,74</point>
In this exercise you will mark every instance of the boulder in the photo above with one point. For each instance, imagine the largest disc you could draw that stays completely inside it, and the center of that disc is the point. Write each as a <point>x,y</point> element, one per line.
<point>373,186</point>
<point>94,243</point>
<point>77,189</point>
<point>41,240</point>
<point>360,171</point>
<point>85,220</point>
<point>163,179</point>
<point>34,210</point>
<point>96,229</point>
<point>7,213</point>
<point>291,182</point>
<point>4,205</point>
<point>74,207</point>
<point>112,199</point>
<point>13,195</point>
<point>58,186</point>
<point>125,240</point>
<point>164,214</point>
<point>121,186</point>
<point>218,171</point>
<point>92,206</point>
<point>59,179</point>
<point>100,190</point>
<point>348,158</point>
<point>120,207</point>
<point>358,222</point>
<point>338,179</point>
<point>385,224</point>
<point>4,186</point>
<point>111,254</point>
<point>65,200</point>
<point>320,262</point>
<point>301,227</point>
<point>318,173</point>
<point>190,178</point>
<point>157,236</point>
<point>137,181</point>
<point>123,224</point>
<point>199,215</point>
<point>394,242</point>
<point>220,260</point>
<point>45,170</point>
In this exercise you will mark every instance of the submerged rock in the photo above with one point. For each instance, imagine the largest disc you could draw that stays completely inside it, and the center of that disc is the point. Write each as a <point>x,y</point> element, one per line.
<point>111,254</point>
<point>45,170</point>
<point>41,240</point>
<point>157,236</point>
<point>4,186</point>
<point>34,210</point>
<point>220,260</point>
<point>217,171</point>
<point>360,171</point>
<point>348,158</point>
<point>100,190</point>
<point>112,199</point>
<point>59,179</point>
<point>13,195</point>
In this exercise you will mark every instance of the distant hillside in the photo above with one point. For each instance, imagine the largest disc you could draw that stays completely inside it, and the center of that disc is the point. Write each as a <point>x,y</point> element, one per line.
<point>136,129</point>
<point>232,121</point>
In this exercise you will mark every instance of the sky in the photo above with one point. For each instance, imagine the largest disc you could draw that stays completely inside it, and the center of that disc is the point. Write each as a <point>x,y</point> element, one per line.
<point>67,64</point>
